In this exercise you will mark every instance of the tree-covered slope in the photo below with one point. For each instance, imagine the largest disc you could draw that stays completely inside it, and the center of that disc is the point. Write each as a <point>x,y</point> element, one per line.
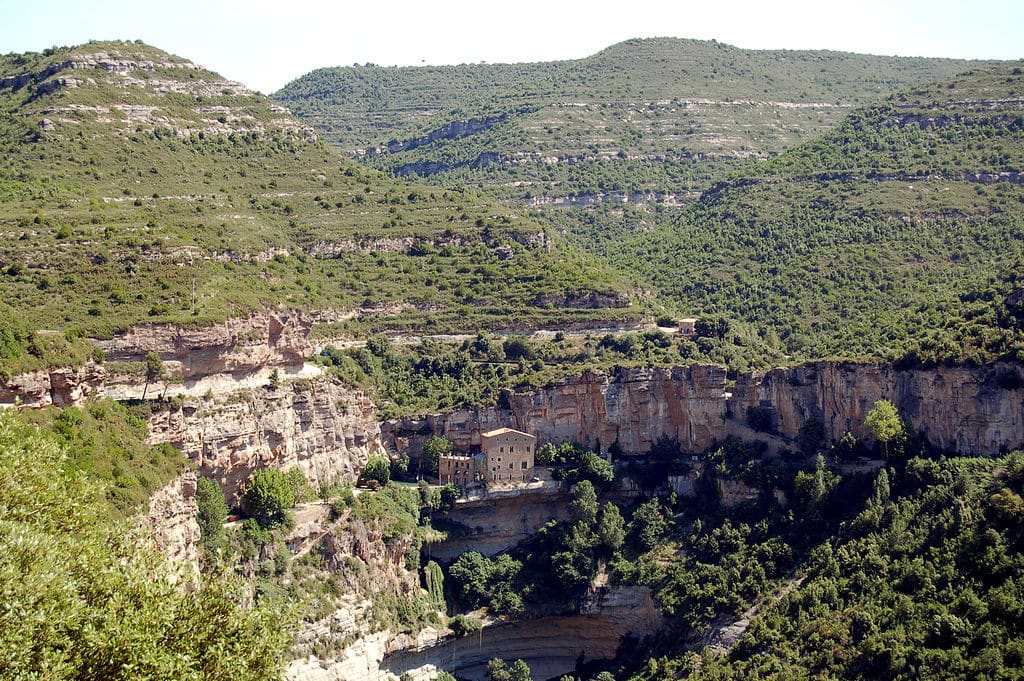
<point>924,582</point>
<point>660,116</point>
<point>138,186</point>
<point>899,234</point>
<point>84,599</point>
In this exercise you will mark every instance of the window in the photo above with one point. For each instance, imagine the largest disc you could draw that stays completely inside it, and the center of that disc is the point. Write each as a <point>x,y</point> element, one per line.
<point>524,465</point>
<point>511,466</point>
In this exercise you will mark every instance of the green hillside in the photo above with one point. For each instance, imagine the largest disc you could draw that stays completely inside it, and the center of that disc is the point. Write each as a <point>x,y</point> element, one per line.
<point>137,186</point>
<point>900,233</point>
<point>661,116</point>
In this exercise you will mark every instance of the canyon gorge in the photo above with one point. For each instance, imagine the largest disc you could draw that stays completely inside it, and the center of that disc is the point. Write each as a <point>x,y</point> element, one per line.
<point>239,396</point>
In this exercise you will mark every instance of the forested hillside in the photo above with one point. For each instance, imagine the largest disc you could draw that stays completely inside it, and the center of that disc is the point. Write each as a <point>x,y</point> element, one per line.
<point>900,234</point>
<point>661,116</point>
<point>137,186</point>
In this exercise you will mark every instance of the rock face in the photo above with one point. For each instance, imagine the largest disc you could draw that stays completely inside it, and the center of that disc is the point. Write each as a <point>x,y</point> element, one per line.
<point>172,519</point>
<point>237,346</point>
<point>498,522</point>
<point>63,387</point>
<point>969,410</point>
<point>632,407</point>
<point>550,646</point>
<point>349,647</point>
<point>323,428</point>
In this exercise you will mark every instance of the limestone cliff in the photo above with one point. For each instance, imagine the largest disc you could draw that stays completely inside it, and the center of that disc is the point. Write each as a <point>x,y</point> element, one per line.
<point>968,410</point>
<point>237,346</point>
<point>172,519</point>
<point>971,410</point>
<point>62,386</point>
<point>633,407</point>
<point>550,646</point>
<point>368,568</point>
<point>320,426</point>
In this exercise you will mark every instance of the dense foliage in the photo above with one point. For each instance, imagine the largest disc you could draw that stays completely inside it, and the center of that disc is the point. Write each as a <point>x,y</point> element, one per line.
<point>83,599</point>
<point>924,583</point>
<point>898,235</point>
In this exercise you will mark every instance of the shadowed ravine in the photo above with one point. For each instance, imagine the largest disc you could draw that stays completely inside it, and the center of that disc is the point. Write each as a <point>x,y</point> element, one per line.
<point>550,646</point>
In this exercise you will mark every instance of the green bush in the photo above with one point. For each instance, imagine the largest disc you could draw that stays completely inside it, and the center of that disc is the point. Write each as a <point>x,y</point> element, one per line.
<point>268,495</point>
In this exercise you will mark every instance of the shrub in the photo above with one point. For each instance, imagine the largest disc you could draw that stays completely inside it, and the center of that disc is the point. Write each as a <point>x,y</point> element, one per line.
<point>268,495</point>
<point>378,468</point>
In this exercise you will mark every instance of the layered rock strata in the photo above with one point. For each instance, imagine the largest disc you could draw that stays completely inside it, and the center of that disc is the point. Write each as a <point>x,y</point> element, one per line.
<point>238,346</point>
<point>320,426</point>
<point>969,410</point>
<point>631,407</point>
<point>550,646</point>
<point>62,387</point>
<point>171,518</point>
<point>966,410</point>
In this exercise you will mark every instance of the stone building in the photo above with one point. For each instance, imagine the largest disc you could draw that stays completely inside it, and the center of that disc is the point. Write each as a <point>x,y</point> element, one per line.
<point>455,468</point>
<point>508,454</point>
<point>688,326</point>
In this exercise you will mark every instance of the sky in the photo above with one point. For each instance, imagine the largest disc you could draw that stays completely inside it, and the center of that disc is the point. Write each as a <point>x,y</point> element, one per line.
<point>267,44</point>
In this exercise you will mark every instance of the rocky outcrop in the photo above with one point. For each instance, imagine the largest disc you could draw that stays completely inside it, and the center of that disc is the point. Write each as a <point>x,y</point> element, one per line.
<point>968,410</point>
<point>62,387</point>
<point>345,645</point>
<point>632,407</point>
<point>448,131</point>
<point>236,346</point>
<point>171,519</point>
<point>320,426</point>
<point>498,521</point>
<point>550,646</point>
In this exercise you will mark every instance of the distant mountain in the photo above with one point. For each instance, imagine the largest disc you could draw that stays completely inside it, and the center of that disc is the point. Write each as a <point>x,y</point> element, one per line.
<point>652,120</point>
<point>137,186</point>
<point>899,234</point>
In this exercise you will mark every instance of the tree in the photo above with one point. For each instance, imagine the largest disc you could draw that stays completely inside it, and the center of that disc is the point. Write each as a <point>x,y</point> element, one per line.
<point>583,507</point>
<point>268,495</point>
<point>448,495</point>
<point>154,370</point>
<point>213,511</point>
<point>499,670</point>
<point>86,600</point>
<point>648,525</point>
<point>377,468</point>
<point>433,449</point>
<point>611,530</point>
<point>810,436</point>
<point>592,467</point>
<point>884,423</point>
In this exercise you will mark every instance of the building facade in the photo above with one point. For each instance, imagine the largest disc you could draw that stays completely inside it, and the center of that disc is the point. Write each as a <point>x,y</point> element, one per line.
<point>508,455</point>
<point>454,468</point>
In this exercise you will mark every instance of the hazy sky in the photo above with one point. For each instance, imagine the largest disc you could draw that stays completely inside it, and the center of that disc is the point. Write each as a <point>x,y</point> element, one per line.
<point>266,44</point>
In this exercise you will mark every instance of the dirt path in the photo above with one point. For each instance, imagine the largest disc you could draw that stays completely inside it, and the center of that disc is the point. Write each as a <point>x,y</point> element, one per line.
<point>723,637</point>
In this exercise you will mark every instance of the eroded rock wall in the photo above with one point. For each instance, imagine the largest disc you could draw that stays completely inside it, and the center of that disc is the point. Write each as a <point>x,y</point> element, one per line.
<point>968,410</point>
<point>320,426</point>
<point>62,386</point>
<point>633,407</point>
<point>550,646</point>
<point>237,346</point>
<point>171,518</point>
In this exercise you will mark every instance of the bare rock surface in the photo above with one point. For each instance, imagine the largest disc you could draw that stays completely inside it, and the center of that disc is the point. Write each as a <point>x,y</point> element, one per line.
<point>320,426</point>
<point>171,518</point>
